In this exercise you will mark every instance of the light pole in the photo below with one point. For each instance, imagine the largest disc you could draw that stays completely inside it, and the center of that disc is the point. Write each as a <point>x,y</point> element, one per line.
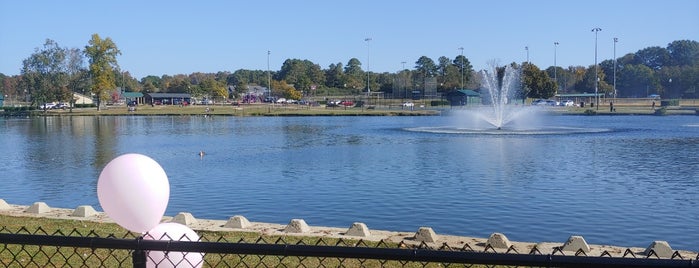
<point>555,78</point>
<point>269,79</point>
<point>462,67</point>
<point>527,49</point>
<point>596,75</point>
<point>368,90</point>
<point>615,40</point>
<point>405,83</point>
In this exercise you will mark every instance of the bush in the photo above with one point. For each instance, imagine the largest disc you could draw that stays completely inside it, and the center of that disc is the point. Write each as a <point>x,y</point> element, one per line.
<point>81,105</point>
<point>674,102</point>
<point>439,103</point>
<point>590,112</point>
<point>661,111</point>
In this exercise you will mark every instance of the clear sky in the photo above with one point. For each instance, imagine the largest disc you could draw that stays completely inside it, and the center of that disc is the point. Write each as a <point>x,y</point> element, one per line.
<point>181,37</point>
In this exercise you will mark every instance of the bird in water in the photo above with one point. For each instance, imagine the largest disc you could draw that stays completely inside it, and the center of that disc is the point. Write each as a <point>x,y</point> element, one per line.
<point>201,153</point>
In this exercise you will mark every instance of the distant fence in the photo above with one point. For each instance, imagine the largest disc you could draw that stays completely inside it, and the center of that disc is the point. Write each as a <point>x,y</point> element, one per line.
<point>22,248</point>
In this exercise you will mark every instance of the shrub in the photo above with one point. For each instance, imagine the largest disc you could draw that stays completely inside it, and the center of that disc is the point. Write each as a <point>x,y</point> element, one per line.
<point>439,103</point>
<point>673,102</point>
<point>661,111</point>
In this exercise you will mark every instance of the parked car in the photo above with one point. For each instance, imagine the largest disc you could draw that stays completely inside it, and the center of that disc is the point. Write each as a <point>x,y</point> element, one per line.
<point>567,103</point>
<point>542,102</point>
<point>47,105</point>
<point>539,102</point>
<point>408,104</point>
<point>61,105</point>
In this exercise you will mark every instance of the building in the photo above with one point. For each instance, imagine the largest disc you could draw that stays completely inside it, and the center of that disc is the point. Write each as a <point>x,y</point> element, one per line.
<point>463,97</point>
<point>138,97</point>
<point>167,98</point>
<point>82,99</point>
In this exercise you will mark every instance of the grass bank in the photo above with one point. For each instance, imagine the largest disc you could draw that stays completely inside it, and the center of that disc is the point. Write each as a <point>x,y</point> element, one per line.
<point>35,256</point>
<point>242,110</point>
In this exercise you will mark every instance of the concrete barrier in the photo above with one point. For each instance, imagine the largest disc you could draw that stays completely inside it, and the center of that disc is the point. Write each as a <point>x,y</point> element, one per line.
<point>661,248</point>
<point>184,218</point>
<point>499,241</point>
<point>426,234</point>
<point>84,211</point>
<point>576,243</point>
<point>297,226</point>
<point>238,222</point>
<point>38,208</point>
<point>4,205</point>
<point>358,229</point>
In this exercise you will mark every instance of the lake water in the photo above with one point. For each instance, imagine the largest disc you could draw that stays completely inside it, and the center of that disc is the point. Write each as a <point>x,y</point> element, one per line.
<point>634,182</point>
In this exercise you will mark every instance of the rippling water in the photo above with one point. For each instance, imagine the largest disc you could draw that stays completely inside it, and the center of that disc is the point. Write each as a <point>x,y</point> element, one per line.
<point>632,183</point>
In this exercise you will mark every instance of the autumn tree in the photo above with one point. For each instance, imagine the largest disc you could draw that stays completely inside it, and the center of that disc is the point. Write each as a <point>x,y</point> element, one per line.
<point>281,88</point>
<point>215,89</point>
<point>102,55</point>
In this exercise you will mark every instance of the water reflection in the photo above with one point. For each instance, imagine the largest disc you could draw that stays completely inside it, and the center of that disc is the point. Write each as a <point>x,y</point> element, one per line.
<point>336,170</point>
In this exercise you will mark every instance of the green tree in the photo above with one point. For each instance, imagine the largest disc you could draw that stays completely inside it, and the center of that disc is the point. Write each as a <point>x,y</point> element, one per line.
<point>684,52</point>
<point>353,78</point>
<point>78,77</point>
<point>102,55</point>
<point>653,57</point>
<point>537,82</point>
<point>636,81</point>
<point>334,75</point>
<point>151,84</point>
<point>465,70</point>
<point>587,83</point>
<point>449,76</point>
<point>215,89</point>
<point>45,73</point>
<point>425,68</point>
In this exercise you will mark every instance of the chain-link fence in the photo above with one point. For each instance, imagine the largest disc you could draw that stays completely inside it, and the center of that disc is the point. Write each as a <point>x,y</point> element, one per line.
<point>37,248</point>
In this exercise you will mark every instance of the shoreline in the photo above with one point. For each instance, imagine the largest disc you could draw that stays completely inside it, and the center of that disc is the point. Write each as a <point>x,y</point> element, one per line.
<point>300,110</point>
<point>497,243</point>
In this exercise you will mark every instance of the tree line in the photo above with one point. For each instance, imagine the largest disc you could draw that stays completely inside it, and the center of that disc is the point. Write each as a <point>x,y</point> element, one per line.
<point>53,72</point>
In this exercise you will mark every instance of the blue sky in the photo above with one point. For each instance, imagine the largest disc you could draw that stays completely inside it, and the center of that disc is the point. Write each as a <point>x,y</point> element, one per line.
<point>181,37</point>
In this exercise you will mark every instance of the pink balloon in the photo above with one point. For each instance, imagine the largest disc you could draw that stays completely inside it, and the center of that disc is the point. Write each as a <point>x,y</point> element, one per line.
<point>134,191</point>
<point>171,231</point>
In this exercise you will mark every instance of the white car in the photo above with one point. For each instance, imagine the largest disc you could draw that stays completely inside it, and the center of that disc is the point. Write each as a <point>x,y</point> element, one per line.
<point>567,103</point>
<point>47,106</point>
<point>408,104</point>
<point>539,102</point>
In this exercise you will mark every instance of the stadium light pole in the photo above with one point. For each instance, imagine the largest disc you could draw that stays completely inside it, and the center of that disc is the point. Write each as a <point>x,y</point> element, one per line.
<point>596,75</point>
<point>555,77</point>
<point>615,40</point>
<point>405,84</point>
<point>527,49</point>
<point>462,67</point>
<point>269,78</point>
<point>368,89</point>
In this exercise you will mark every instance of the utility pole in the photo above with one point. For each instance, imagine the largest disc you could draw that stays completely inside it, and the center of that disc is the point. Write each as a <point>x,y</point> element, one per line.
<point>596,74</point>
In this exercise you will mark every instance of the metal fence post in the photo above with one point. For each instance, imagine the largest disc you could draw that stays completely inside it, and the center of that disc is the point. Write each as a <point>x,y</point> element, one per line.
<point>139,255</point>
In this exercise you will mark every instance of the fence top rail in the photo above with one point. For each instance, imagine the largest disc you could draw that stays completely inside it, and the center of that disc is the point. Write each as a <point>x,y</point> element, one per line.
<point>402,254</point>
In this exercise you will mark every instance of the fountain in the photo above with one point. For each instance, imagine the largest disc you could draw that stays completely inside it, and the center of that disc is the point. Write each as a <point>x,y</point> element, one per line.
<point>502,111</point>
<point>498,93</point>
